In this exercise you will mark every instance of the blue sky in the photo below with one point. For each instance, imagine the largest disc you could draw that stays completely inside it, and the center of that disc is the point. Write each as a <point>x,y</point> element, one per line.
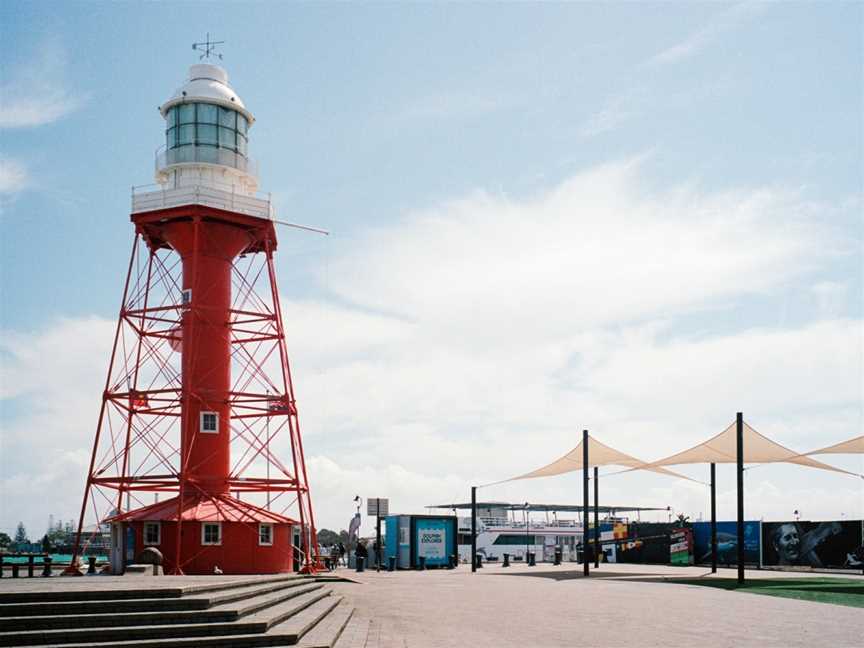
<point>496,178</point>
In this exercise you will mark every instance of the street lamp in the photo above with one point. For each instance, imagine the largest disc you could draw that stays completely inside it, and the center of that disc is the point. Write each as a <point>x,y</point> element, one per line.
<point>527,508</point>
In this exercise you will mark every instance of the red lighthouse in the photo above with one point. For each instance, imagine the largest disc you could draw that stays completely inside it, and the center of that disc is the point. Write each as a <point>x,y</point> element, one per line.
<point>199,398</point>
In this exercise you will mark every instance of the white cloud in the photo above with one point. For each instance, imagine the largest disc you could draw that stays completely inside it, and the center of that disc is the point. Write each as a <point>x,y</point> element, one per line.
<point>702,38</point>
<point>486,332</point>
<point>37,93</point>
<point>13,176</point>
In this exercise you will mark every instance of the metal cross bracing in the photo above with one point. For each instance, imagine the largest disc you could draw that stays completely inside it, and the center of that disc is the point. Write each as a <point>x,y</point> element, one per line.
<point>137,447</point>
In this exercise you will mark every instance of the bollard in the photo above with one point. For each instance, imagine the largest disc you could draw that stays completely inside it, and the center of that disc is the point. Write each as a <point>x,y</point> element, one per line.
<point>91,566</point>
<point>15,570</point>
<point>506,560</point>
<point>30,566</point>
<point>1,565</point>
<point>391,563</point>
<point>557,556</point>
<point>46,566</point>
<point>478,559</point>
<point>452,561</point>
<point>421,563</point>
<point>532,559</point>
<point>361,563</point>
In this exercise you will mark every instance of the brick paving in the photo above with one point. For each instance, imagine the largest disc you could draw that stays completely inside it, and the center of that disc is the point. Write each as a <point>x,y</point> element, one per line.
<point>552,607</point>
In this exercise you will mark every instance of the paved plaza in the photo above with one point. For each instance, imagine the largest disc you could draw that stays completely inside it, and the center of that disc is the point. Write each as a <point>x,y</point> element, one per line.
<point>619,605</point>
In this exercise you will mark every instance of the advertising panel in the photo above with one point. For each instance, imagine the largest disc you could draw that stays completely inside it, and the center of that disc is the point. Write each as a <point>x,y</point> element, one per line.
<point>727,542</point>
<point>679,546</point>
<point>432,541</point>
<point>812,544</point>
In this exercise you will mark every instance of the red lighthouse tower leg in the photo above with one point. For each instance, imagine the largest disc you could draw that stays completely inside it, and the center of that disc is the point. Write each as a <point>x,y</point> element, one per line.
<point>198,398</point>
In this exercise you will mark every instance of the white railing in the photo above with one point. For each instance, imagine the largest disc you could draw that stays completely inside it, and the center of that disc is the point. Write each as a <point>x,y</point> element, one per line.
<point>152,197</point>
<point>194,154</point>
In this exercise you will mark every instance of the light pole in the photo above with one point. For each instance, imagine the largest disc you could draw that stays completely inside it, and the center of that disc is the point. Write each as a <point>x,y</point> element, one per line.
<point>527,506</point>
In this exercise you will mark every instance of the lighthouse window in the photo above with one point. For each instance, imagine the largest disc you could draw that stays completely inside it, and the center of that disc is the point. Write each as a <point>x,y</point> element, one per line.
<point>187,135</point>
<point>186,113</point>
<point>227,139</point>
<point>151,533</point>
<point>211,533</point>
<point>172,117</point>
<point>207,134</point>
<point>241,144</point>
<point>242,124</point>
<point>210,422</point>
<point>265,535</point>
<point>207,113</point>
<point>227,118</point>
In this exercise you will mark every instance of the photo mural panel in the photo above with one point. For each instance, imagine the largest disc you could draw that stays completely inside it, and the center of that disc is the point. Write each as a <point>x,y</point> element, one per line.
<point>727,542</point>
<point>835,544</point>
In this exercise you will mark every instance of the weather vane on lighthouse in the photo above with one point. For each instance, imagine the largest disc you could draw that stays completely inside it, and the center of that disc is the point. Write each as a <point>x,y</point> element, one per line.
<point>208,47</point>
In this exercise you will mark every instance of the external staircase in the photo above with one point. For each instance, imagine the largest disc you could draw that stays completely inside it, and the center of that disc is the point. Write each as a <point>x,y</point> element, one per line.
<point>286,610</point>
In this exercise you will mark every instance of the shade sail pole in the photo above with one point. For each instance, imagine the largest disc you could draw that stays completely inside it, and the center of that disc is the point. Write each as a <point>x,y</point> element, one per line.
<point>585,516</point>
<point>473,529</point>
<point>596,522</point>
<point>713,518</point>
<point>739,425</point>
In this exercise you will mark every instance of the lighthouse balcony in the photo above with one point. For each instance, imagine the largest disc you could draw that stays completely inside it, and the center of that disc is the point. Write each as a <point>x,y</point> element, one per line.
<point>154,197</point>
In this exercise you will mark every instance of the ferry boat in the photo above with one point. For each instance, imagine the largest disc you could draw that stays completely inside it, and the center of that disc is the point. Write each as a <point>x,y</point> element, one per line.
<point>505,528</point>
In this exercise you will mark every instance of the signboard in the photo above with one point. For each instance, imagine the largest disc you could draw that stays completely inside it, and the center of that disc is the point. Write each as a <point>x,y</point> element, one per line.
<point>727,542</point>
<point>812,544</point>
<point>432,541</point>
<point>377,506</point>
<point>679,547</point>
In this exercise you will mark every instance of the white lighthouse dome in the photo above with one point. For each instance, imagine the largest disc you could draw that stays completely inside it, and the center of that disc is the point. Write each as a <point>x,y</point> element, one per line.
<point>208,83</point>
<point>206,135</point>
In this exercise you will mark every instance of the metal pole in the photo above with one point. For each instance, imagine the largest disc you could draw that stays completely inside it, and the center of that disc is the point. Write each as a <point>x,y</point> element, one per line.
<point>585,567</point>
<point>596,522</point>
<point>739,425</point>
<point>473,528</point>
<point>713,518</point>
<point>378,538</point>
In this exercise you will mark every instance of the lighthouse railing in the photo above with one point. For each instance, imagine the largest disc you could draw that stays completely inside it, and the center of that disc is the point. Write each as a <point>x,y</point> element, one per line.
<point>213,194</point>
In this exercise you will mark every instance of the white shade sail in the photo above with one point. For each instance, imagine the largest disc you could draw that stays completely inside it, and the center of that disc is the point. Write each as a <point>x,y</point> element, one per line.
<point>757,449</point>
<point>852,446</point>
<point>598,455</point>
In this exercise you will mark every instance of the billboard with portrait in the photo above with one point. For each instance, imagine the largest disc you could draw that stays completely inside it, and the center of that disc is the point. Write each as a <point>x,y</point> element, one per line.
<point>834,544</point>
<point>727,542</point>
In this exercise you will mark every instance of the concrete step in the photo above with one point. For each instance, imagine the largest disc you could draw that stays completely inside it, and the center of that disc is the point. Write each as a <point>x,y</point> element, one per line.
<point>355,633</point>
<point>255,599</point>
<point>327,631</point>
<point>156,635</point>
<point>197,599</point>
<point>290,632</point>
<point>90,589</point>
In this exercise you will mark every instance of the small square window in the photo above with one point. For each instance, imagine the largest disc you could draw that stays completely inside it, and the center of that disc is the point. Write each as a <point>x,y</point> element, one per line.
<point>211,533</point>
<point>265,535</point>
<point>210,422</point>
<point>186,297</point>
<point>152,533</point>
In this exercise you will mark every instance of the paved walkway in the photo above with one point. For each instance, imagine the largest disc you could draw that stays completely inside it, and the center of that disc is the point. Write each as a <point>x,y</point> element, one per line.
<point>620,605</point>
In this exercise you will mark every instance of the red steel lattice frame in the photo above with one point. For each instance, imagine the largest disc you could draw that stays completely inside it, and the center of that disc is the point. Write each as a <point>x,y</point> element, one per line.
<point>137,446</point>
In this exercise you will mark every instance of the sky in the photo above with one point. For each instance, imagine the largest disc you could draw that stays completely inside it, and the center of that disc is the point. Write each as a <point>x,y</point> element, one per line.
<point>637,219</point>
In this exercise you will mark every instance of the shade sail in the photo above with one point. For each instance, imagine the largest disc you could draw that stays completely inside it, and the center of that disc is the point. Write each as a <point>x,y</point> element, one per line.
<point>757,449</point>
<point>852,446</point>
<point>599,454</point>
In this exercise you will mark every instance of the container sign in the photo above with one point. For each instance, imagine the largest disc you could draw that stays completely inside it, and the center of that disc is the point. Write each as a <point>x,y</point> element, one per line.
<point>377,506</point>
<point>432,540</point>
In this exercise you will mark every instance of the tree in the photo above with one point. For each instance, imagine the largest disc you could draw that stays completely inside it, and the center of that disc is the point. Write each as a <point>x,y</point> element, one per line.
<point>326,537</point>
<point>21,533</point>
<point>683,521</point>
<point>5,540</point>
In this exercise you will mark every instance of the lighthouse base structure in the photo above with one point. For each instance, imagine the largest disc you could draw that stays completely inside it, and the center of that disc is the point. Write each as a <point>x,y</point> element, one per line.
<point>221,535</point>
<point>198,398</point>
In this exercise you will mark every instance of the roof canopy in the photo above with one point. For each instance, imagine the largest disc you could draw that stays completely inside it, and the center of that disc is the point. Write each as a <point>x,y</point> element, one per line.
<point>599,454</point>
<point>852,446</point>
<point>203,508</point>
<point>757,449</point>
<point>560,508</point>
